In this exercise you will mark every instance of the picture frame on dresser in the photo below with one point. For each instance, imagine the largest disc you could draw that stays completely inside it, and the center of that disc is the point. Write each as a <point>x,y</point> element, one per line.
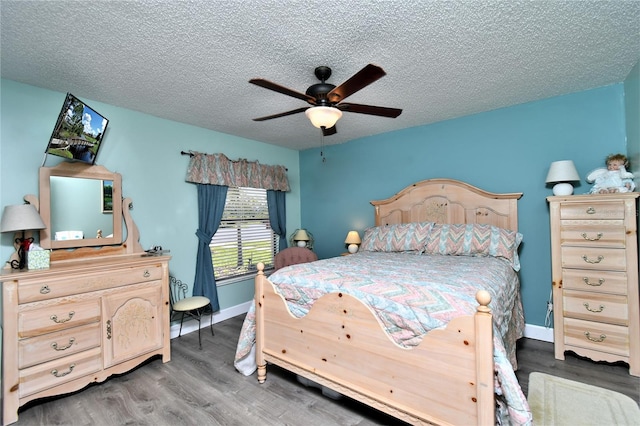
<point>594,263</point>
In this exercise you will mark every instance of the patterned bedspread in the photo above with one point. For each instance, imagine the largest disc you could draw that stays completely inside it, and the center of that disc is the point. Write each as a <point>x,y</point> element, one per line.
<point>411,294</point>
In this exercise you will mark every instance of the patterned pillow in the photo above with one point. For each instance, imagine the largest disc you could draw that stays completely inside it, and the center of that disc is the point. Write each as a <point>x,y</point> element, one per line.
<point>400,237</point>
<point>475,240</point>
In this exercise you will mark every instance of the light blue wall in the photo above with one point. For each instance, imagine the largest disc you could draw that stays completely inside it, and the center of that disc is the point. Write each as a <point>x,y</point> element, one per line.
<point>506,150</point>
<point>632,112</point>
<point>145,150</point>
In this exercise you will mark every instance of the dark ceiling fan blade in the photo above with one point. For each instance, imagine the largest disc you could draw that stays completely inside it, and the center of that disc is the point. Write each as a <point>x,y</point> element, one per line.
<point>330,131</point>
<point>370,109</point>
<point>281,89</point>
<point>359,80</point>
<point>282,114</point>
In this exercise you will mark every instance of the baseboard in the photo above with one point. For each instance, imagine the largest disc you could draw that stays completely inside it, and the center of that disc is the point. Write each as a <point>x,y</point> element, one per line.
<point>224,314</point>
<point>536,332</point>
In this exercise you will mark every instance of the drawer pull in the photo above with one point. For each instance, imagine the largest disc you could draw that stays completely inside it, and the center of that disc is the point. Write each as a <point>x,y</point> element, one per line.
<point>54,345</point>
<point>601,339</point>
<point>598,284</point>
<point>55,372</point>
<point>591,210</point>
<point>598,260</point>
<point>599,309</point>
<point>146,273</point>
<point>45,289</point>
<point>55,319</point>
<point>108,329</point>
<point>596,238</point>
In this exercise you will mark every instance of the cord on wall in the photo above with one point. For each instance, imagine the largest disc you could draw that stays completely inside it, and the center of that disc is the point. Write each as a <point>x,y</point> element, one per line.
<point>547,318</point>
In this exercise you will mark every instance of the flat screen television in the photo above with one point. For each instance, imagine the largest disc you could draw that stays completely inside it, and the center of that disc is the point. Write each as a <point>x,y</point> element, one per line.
<point>78,132</point>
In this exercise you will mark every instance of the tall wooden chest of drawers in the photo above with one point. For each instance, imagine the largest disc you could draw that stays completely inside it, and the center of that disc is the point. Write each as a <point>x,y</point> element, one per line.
<point>80,322</point>
<point>594,250</point>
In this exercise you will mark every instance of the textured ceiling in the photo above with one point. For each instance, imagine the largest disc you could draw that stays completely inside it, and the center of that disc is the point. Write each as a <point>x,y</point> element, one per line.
<point>191,61</point>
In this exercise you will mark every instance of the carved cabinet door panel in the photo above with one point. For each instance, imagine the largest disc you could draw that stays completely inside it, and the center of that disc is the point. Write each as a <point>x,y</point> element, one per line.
<point>132,323</point>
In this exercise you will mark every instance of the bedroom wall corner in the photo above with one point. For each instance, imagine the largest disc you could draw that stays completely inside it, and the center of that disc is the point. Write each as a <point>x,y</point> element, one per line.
<point>632,115</point>
<point>632,122</point>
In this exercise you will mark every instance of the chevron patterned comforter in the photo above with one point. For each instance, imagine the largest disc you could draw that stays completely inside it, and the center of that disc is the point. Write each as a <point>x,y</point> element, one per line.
<point>411,294</point>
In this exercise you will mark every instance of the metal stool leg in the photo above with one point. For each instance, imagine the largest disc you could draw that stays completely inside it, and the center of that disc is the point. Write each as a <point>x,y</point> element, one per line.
<point>181,320</point>
<point>199,314</point>
<point>211,320</point>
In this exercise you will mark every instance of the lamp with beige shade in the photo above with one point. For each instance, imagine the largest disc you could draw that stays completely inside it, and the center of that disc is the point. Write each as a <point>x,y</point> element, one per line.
<point>353,239</point>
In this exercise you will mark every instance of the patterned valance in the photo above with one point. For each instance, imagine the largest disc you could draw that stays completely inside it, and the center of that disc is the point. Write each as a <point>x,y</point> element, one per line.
<point>217,169</point>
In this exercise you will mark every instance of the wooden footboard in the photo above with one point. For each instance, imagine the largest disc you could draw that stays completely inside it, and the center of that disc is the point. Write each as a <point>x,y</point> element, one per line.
<point>447,379</point>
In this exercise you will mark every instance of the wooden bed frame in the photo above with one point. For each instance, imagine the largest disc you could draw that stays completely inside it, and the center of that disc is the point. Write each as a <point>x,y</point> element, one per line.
<point>340,344</point>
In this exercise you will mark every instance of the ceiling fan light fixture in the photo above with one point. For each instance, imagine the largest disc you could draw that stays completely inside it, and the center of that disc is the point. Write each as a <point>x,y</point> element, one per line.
<point>322,116</point>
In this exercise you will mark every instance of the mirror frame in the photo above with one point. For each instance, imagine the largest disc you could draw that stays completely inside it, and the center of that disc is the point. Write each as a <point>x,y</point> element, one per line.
<point>78,170</point>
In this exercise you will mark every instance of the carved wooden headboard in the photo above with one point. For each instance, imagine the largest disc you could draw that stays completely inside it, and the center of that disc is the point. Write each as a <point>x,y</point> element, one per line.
<point>448,201</point>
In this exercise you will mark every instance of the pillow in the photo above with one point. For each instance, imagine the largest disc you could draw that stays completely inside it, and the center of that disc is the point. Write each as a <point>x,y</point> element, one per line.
<point>399,237</point>
<point>475,240</point>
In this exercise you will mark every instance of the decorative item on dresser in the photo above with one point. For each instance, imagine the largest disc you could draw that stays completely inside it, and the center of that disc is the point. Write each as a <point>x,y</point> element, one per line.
<point>93,313</point>
<point>594,250</point>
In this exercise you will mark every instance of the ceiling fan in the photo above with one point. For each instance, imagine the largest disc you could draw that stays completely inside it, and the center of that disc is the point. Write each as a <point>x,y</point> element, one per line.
<point>326,99</point>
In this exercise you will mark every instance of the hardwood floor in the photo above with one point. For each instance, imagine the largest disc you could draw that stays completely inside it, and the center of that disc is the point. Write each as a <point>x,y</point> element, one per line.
<point>202,387</point>
<point>535,355</point>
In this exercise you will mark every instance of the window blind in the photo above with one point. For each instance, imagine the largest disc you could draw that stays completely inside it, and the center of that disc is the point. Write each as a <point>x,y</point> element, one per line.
<point>244,237</point>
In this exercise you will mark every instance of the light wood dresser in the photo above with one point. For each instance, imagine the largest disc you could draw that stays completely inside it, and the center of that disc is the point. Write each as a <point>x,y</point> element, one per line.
<point>594,250</point>
<point>79,322</point>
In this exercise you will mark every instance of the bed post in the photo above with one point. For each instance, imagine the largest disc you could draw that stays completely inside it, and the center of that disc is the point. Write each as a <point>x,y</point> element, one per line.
<point>259,299</point>
<point>484,359</point>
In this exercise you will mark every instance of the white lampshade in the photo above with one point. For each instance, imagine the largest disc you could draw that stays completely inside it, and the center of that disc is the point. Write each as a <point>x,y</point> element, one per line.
<point>353,239</point>
<point>322,116</point>
<point>21,217</point>
<point>561,173</point>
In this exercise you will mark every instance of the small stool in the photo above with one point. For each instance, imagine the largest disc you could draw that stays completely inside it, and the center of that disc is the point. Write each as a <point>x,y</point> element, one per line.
<point>194,306</point>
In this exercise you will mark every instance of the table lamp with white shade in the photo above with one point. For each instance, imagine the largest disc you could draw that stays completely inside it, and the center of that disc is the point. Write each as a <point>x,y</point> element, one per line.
<point>353,239</point>
<point>561,173</point>
<point>21,218</point>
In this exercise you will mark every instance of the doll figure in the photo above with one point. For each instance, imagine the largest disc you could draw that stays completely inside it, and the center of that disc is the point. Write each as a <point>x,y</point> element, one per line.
<point>612,179</point>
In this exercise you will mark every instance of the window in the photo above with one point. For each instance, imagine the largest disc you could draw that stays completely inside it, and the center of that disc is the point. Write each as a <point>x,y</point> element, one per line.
<point>244,237</point>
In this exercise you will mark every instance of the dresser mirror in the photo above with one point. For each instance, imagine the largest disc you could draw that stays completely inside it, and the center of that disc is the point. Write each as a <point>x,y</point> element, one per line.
<point>81,206</point>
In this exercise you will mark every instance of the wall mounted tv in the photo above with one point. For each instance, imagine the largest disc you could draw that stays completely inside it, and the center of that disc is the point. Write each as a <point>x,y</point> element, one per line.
<point>78,132</point>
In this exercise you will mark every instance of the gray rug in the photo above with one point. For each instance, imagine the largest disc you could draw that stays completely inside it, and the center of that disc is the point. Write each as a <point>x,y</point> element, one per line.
<point>557,401</point>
